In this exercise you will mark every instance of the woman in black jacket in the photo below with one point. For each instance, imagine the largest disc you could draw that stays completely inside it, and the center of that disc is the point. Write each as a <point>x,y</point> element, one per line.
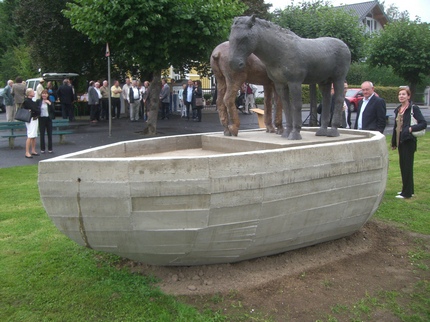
<point>47,114</point>
<point>404,140</point>
<point>33,125</point>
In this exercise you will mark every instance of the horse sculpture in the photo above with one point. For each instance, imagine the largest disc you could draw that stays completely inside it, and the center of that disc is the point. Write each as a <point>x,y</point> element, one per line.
<point>291,61</point>
<point>229,82</point>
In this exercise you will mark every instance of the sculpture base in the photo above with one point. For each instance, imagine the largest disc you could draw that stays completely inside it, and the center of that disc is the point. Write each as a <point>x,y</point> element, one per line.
<point>207,198</point>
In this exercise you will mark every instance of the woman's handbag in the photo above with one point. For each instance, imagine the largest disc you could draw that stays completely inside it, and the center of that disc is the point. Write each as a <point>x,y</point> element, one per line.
<point>417,134</point>
<point>199,101</point>
<point>23,115</point>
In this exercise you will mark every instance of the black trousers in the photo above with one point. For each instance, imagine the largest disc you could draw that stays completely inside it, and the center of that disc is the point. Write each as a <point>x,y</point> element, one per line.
<point>188,106</point>
<point>95,112</point>
<point>199,113</point>
<point>104,108</point>
<point>45,124</point>
<point>164,110</point>
<point>116,107</point>
<point>67,111</point>
<point>406,162</point>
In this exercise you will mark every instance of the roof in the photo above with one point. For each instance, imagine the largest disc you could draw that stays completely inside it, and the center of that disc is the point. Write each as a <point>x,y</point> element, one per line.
<point>362,9</point>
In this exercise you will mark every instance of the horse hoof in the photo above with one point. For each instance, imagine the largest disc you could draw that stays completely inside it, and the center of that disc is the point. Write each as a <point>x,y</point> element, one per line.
<point>333,132</point>
<point>233,130</point>
<point>322,132</point>
<point>285,134</point>
<point>227,133</point>
<point>270,129</point>
<point>294,136</point>
<point>280,130</point>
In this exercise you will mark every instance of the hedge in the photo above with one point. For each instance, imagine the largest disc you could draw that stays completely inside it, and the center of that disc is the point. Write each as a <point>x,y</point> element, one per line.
<point>389,94</point>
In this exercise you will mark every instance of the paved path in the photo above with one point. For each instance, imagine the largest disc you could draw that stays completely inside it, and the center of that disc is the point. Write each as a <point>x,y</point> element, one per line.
<point>88,136</point>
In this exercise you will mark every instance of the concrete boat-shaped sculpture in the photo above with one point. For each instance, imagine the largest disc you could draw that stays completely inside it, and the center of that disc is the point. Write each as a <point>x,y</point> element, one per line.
<point>208,198</point>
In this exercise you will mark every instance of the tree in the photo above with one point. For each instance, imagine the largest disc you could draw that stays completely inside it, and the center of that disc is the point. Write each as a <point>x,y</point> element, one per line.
<point>405,47</point>
<point>258,8</point>
<point>55,46</point>
<point>156,34</point>
<point>320,19</point>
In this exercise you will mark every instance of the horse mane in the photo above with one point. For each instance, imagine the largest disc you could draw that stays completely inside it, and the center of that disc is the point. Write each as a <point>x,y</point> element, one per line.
<point>271,25</point>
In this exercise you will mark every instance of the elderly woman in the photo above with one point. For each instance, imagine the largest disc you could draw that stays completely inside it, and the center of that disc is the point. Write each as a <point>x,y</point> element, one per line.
<point>33,125</point>
<point>405,141</point>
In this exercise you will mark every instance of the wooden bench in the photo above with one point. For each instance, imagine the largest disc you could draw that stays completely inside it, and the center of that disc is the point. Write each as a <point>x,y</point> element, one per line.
<point>14,127</point>
<point>260,117</point>
<point>57,124</point>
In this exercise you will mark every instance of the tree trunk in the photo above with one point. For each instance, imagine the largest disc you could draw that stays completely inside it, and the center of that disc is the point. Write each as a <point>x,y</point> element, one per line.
<point>154,103</point>
<point>313,119</point>
<point>413,89</point>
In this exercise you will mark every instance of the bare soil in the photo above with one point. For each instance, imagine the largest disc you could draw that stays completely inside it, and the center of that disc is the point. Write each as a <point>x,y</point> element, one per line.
<point>302,285</point>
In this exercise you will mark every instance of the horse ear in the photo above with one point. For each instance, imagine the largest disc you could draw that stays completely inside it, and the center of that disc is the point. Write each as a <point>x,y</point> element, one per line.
<point>252,21</point>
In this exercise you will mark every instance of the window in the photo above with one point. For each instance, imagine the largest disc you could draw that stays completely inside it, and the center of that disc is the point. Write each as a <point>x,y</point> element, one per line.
<point>370,25</point>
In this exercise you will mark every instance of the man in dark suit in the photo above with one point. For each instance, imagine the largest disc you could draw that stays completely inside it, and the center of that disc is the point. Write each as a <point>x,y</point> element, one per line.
<point>66,96</point>
<point>371,114</point>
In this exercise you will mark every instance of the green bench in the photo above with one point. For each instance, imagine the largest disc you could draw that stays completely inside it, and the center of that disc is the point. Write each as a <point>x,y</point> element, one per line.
<point>18,129</point>
<point>57,124</point>
<point>13,128</point>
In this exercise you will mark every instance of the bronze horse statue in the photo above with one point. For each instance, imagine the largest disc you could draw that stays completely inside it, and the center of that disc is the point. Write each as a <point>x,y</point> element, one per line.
<point>290,62</point>
<point>229,82</point>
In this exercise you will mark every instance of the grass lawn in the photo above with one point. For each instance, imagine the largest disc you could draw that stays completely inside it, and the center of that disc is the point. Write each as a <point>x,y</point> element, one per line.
<point>44,276</point>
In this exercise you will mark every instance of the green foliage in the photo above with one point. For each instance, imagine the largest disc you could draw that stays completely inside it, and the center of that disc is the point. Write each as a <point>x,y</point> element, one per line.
<point>16,61</point>
<point>156,33</point>
<point>405,47</point>
<point>258,8</point>
<point>10,35</point>
<point>55,46</point>
<point>384,76</point>
<point>411,214</point>
<point>320,19</point>
<point>389,94</point>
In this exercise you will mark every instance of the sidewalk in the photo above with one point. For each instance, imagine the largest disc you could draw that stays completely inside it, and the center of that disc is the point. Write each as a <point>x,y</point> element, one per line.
<point>88,135</point>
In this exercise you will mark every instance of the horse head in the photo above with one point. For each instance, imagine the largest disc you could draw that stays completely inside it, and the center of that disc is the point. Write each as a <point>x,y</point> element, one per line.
<point>242,41</point>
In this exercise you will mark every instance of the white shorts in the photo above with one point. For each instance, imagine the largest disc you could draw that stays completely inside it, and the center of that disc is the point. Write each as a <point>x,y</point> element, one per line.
<point>32,128</point>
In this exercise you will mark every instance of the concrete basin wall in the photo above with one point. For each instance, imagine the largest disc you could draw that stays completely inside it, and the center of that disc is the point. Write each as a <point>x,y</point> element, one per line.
<point>193,199</point>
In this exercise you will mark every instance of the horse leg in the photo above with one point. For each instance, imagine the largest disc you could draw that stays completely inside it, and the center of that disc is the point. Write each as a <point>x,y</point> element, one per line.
<point>268,92</point>
<point>283,97</point>
<point>229,101</point>
<point>325,113</point>
<point>338,105</point>
<point>296,109</point>
<point>278,115</point>
<point>221,107</point>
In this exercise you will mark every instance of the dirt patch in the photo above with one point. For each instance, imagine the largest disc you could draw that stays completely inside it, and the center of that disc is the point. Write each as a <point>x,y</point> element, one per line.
<point>301,285</point>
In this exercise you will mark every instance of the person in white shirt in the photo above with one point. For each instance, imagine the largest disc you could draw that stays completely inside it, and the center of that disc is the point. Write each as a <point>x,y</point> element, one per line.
<point>134,101</point>
<point>372,110</point>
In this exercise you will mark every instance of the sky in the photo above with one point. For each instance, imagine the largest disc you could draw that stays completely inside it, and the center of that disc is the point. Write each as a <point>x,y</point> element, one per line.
<point>419,8</point>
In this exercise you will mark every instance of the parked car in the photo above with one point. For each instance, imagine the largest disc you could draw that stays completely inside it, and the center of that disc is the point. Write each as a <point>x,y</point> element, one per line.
<point>56,79</point>
<point>2,106</point>
<point>354,95</point>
